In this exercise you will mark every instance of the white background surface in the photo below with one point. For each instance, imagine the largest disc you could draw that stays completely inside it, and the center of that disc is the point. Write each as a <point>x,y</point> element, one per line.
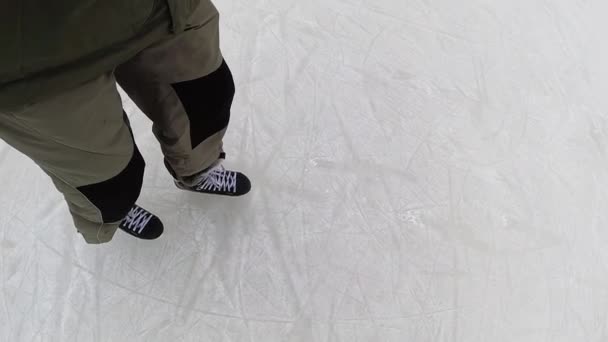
<point>426,170</point>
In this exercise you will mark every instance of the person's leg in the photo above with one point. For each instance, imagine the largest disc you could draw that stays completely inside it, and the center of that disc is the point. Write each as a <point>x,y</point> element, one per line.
<point>82,140</point>
<point>184,85</point>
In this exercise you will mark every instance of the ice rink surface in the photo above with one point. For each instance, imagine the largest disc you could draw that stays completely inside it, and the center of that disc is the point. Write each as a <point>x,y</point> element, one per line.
<point>424,171</point>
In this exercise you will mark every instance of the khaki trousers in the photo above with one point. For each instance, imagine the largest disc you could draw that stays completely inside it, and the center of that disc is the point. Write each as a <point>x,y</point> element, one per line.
<point>82,139</point>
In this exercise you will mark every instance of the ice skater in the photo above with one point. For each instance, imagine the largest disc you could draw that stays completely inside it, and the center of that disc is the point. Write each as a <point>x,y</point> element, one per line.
<point>59,104</point>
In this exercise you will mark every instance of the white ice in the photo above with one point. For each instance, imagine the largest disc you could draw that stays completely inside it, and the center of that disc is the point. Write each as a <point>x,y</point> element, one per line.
<point>424,171</point>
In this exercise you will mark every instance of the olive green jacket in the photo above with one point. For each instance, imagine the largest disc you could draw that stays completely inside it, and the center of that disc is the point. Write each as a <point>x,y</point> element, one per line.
<point>47,46</point>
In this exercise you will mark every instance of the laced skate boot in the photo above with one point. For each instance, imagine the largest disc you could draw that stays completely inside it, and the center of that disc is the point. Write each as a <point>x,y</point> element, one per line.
<point>218,181</point>
<point>142,224</point>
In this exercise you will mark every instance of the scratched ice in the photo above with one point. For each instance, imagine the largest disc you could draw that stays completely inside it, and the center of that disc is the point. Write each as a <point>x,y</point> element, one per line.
<point>424,171</point>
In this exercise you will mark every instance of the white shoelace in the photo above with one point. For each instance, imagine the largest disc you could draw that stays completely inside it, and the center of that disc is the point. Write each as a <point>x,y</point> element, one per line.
<point>218,179</point>
<point>137,219</point>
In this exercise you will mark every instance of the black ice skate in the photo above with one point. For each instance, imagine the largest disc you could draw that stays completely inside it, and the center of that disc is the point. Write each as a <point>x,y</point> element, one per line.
<point>218,181</point>
<point>142,224</point>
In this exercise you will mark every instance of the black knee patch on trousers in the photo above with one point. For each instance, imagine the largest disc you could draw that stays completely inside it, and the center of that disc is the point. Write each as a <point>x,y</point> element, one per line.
<point>207,102</point>
<point>116,196</point>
